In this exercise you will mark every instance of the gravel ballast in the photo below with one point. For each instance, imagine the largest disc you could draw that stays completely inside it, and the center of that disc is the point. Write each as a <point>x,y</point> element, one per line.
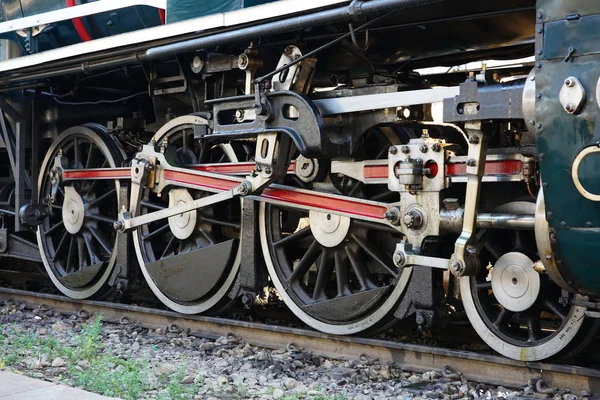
<point>129,361</point>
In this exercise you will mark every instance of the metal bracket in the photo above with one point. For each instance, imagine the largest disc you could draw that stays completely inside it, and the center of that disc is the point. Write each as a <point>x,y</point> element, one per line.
<point>280,114</point>
<point>572,95</point>
<point>465,260</point>
<point>404,256</point>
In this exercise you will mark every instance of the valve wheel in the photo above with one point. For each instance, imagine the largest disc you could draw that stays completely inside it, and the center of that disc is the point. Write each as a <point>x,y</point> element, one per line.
<point>514,305</point>
<point>335,273</point>
<point>77,242</point>
<point>190,261</point>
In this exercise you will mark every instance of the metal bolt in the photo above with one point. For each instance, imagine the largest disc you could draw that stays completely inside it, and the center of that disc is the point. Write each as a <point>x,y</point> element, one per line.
<point>538,125</point>
<point>539,30</point>
<point>288,50</point>
<point>457,268</point>
<point>423,148</point>
<point>538,65</point>
<point>563,224</point>
<point>239,114</point>
<point>421,318</point>
<point>588,224</point>
<point>549,215</point>
<point>570,108</point>
<point>247,299</point>
<point>392,215</point>
<point>245,188</point>
<point>569,82</point>
<point>413,219</point>
<point>121,285</point>
<point>548,257</point>
<point>393,150</point>
<point>545,184</point>
<point>400,259</point>
<point>474,139</point>
<point>436,147</point>
<point>118,225</point>
<point>196,62</point>
<point>539,95</point>
<point>405,149</point>
<point>268,171</point>
<point>471,162</point>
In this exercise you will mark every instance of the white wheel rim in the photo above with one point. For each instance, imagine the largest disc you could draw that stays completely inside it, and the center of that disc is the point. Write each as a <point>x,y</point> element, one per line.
<point>545,349</point>
<point>86,292</point>
<point>342,329</point>
<point>211,301</point>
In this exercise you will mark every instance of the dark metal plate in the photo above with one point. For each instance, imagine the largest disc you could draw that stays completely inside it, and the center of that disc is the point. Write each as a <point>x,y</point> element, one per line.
<point>192,275</point>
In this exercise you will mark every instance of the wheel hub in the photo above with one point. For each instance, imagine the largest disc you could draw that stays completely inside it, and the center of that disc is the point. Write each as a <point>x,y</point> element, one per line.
<point>73,210</point>
<point>181,225</point>
<point>515,282</point>
<point>329,229</point>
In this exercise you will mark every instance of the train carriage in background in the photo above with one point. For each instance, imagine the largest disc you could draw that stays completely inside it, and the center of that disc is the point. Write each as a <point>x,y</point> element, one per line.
<point>210,148</point>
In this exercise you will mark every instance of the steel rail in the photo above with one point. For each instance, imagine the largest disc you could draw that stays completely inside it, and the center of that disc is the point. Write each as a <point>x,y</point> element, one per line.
<point>477,367</point>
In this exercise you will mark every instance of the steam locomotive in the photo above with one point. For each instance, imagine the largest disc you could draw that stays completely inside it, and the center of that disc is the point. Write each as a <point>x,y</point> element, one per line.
<point>332,149</point>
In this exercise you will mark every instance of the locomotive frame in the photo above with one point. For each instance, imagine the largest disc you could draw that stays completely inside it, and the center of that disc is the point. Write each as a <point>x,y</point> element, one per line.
<point>320,154</point>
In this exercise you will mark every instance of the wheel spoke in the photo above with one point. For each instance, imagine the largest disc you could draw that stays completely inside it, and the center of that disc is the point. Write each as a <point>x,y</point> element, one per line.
<point>156,232</point>
<point>217,221</point>
<point>323,275</point>
<point>77,153</point>
<point>60,245</point>
<point>503,317</point>
<point>90,157</point>
<point>554,308</point>
<point>81,251</point>
<point>534,326</point>
<point>100,218</point>
<point>90,250</point>
<point>100,238</point>
<point>169,246</point>
<point>384,260</point>
<point>362,275</point>
<point>54,227</point>
<point>71,254</point>
<point>102,198</point>
<point>376,226</point>
<point>487,285</point>
<point>154,206</point>
<point>208,236</point>
<point>341,276</point>
<point>305,262</point>
<point>294,237</point>
<point>494,249</point>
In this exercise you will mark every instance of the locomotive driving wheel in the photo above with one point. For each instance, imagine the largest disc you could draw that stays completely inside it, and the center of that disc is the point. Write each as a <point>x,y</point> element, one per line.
<point>514,305</point>
<point>336,273</point>
<point>77,242</point>
<point>190,261</point>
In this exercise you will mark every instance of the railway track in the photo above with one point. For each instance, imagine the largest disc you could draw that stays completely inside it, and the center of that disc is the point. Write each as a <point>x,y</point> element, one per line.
<point>484,368</point>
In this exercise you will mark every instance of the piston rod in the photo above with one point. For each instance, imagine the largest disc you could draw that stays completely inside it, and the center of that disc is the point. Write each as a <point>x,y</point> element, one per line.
<point>451,221</point>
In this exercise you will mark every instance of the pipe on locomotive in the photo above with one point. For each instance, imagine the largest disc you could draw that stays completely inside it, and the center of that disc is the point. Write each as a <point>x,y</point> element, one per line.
<point>356,9</point>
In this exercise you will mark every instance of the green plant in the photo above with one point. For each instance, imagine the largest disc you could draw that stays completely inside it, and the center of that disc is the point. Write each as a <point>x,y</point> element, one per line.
<point>175,390</point>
